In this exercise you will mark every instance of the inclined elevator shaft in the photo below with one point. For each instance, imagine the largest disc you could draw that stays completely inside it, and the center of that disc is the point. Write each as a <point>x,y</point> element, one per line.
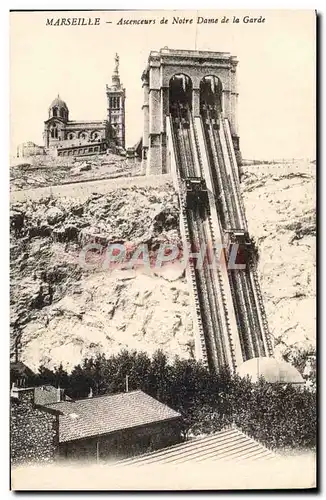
<point>190,130</point>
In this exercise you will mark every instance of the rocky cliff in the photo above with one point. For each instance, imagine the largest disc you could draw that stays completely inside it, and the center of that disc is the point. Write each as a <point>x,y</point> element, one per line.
<point>280,202</point>
<point>62,312</point>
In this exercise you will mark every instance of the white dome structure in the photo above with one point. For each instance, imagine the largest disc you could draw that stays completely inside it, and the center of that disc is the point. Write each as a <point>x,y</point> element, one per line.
<point>274,371</point>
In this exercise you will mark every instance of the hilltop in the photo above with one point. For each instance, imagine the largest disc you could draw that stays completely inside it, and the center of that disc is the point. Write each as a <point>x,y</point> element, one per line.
<point>41,171</point>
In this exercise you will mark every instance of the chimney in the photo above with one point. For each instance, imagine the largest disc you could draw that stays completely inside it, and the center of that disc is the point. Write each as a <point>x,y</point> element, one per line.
<point>58,394</point>
<point>90,394</point>
<point>13,391</point>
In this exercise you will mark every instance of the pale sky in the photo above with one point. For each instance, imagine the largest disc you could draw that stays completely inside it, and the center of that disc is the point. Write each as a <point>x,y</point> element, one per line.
<point>276,71</point>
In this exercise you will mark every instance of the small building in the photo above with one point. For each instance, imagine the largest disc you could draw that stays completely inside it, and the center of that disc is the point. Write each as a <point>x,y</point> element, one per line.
<point>115,425</point>
<point>228,444</point>
<point>46,425</point>
<point>29,148</point>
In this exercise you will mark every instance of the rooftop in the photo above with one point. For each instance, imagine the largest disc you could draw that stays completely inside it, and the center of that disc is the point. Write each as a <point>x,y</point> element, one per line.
<point>109,413</point>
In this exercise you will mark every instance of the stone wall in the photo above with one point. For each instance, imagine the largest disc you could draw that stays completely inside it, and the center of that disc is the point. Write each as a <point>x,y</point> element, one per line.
<point>125,443</point>
<point>34,432</point>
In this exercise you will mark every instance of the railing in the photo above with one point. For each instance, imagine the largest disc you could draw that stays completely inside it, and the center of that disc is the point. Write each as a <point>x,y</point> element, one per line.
<point>216,295</point>
<point>235,171</point>
<point>258,312</point>
<point>246,298</point>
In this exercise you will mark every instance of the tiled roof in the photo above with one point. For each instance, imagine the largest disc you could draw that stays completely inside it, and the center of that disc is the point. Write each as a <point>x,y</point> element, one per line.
<point>227,445</point>
<point>104,414</point>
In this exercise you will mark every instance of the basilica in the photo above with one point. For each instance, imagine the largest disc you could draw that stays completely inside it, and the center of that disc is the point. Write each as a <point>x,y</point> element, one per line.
<point>65,137</point>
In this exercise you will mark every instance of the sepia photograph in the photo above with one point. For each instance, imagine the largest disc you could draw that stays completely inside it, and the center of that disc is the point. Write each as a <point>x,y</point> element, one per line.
<point>163,250</point>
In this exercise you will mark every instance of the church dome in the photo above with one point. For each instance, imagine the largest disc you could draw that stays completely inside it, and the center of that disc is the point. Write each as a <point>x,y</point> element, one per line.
<point>272,370</point>
<point>59,103</point>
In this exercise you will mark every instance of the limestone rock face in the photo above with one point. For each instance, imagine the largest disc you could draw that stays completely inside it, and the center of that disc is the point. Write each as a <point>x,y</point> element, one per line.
<point>280,204</point>
<point>64,312</point>
<point>111,313</point>
<point>46,170</point>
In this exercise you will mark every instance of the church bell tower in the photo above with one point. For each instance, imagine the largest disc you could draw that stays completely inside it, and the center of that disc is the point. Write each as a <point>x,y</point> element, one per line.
<point>116,96</point>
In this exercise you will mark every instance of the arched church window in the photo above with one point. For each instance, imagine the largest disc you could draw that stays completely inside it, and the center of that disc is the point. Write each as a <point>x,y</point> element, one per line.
<point>55,112</point>
<point>62,113</point>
